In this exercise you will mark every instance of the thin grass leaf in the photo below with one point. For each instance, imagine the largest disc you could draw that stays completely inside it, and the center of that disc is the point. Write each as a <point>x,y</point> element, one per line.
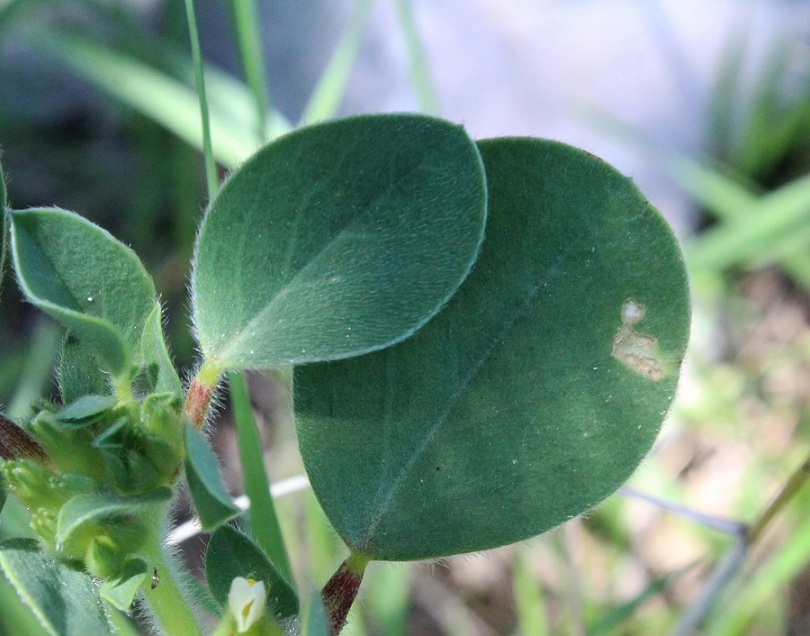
<point>532,618</point>
<point>229,98</point>
<point>316,622</point>
<point>711,188</point>
<point>764,583</point>
<point>246,21</point>
<point>725,94</point>
<point>734,203</point>
<point>417,59</point>
<point>162,98</point>
<point>262,511</point>
<point>607,623</point>
<point>777,216</point>
<point>208,153</point>
<point>328,93</point>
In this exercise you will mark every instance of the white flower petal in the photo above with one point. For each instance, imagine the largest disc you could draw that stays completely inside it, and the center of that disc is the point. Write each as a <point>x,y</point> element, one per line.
<point>246,600</point>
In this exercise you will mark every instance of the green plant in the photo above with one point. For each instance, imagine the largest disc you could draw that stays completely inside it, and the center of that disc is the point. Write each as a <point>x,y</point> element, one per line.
<point>483,338</point>
<point>530,397</point>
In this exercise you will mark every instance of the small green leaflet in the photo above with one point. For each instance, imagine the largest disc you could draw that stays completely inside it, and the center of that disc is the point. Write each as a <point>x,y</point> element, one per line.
<point>87,280</point>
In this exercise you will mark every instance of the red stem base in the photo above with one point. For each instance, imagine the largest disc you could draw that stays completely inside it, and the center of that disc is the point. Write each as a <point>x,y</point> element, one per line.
<point>339,593</point>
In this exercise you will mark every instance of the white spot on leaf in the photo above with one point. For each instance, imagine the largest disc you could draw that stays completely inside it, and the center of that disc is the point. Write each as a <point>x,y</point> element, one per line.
<point>637,351</point>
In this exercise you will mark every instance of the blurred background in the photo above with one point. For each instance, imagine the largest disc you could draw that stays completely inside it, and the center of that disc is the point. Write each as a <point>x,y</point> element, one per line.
<point>706,105</point>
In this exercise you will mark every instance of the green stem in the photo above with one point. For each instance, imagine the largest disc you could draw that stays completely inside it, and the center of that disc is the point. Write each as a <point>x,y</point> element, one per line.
<point>166,600</point>
<point>794,483</point>
<point>208,153</point>
<point>722,574</point>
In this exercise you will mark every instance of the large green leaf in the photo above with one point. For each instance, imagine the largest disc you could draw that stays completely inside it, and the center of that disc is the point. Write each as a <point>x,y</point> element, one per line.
<point>65,601</point>
<point>336,240</point>
<point>532,395</point>
<point>86,279</point>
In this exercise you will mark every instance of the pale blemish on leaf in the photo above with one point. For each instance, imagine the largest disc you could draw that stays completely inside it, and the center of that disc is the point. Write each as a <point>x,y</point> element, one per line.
<point>637,351</point>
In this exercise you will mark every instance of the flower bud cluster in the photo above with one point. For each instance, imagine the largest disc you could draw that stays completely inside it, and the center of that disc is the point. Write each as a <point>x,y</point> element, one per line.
<point>94,446</point>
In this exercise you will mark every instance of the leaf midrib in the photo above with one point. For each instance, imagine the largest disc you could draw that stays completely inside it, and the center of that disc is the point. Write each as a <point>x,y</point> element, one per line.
<point>54,272</point>
<point>386,500</point>
<point>247,329</point>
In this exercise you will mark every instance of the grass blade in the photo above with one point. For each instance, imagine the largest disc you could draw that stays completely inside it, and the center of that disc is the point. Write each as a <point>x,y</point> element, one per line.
<point>262,512</point>
<point>770,577</point>
<point>775,217</point>
<point>208,152</point>
<point>159,96</point>
<point>532,618</point>
<point>325,99</point>
<point>420,75</point>
<point>246,21</point>
<point>612,619</point>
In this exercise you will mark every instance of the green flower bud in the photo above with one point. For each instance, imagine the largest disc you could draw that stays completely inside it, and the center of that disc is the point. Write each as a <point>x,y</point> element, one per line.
<point>68,446</point>
<point>161,417</point>
<point>43,523</point>
<point>104,557</point>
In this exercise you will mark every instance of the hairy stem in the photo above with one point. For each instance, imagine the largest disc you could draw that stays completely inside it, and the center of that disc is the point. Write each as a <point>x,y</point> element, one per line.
<point>341,590</point>
<point>199,394</point>
<point>165,599</point>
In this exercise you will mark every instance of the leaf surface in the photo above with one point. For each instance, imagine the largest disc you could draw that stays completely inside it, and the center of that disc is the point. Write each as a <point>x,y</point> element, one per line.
<point>533,395</point>
<point>87,408</point>
<point>230,554</point>
<point>337,239</point>
<point>79,371</point>
<point>89,507</point>
<point>64,600</point>
<point>86,279</point>
<point>214,506</point>
<point>120,590</point>
<point>159,367</point>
